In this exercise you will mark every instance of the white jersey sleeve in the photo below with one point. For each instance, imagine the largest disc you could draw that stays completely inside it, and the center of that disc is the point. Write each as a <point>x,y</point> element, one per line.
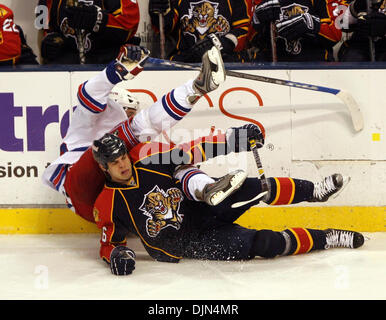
<point>94,115</point>
<point>163,114</point>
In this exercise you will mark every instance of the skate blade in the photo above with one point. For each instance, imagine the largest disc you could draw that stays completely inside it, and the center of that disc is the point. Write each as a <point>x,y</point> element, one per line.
<point>346,180</point>
<point>243,203</point>
<point>214,56</point>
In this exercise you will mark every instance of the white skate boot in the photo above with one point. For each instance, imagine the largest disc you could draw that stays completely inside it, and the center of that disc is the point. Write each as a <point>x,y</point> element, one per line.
<point>212,72</point>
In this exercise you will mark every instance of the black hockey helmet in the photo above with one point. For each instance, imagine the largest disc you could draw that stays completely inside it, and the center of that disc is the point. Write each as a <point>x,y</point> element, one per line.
<point>108,148</point>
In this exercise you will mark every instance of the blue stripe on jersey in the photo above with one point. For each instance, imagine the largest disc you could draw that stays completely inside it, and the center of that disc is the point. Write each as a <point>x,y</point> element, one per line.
<point>176,104</point>
<point>88,102</point>
<point>168,110</point>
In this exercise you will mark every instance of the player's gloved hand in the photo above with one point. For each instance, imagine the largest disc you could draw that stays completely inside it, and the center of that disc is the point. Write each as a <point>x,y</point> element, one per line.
<point>52,46</point>
<point>159,6</point>
<point>238,138</point>
<point>86,17</point>
<point>267,11</point>
<point>371,25</point>
<point>129,63</point>
<point>122,261</point>
<point>223,43</point>
<point>298,26</point>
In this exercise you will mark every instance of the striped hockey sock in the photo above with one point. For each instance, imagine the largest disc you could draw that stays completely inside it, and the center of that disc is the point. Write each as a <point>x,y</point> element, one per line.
<point>284,191</point>
<point>302,240</point>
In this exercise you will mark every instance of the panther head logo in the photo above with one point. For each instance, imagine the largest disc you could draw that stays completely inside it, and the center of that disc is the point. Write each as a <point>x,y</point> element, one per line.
<point>203,19</point>
<point>162,210</point>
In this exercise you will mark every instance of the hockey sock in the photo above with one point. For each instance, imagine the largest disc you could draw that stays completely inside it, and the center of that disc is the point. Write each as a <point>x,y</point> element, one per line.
<point>192,180</point>
<point>269,244</point>
<point>301,240</point>
<point>283,191</point>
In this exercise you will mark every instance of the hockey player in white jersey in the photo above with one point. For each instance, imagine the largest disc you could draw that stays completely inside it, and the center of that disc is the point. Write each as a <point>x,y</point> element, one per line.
<point>105,108</point>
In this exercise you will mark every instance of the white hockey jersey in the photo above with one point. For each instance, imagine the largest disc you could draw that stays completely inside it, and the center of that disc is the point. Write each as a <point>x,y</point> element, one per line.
<point>96,114</point>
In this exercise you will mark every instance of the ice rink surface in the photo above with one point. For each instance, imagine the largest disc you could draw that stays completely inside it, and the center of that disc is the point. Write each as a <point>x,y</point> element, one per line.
<point>68,267</point>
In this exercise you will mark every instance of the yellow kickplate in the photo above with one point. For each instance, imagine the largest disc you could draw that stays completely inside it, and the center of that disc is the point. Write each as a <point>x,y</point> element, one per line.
<point>35,220</point>
<point>54,220</point>
<point>366,219</point>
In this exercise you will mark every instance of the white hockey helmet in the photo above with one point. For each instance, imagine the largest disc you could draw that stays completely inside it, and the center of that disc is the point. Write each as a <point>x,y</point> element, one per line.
<point>124,98</point>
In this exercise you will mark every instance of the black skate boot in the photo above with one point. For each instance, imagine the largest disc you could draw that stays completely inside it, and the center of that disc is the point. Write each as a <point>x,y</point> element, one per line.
<point>216,192</point>
<point>329,186</point>
<point>336,238</point>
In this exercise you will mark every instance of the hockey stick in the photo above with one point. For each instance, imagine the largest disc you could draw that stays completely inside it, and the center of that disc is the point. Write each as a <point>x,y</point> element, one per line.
<point>162,35</point>
<point>260,170</point>
<point>371,41</point>
<point>347,99</point>
<point>272,32</point>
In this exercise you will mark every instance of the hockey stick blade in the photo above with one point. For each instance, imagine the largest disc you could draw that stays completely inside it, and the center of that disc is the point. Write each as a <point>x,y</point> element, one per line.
<point>347,99</point>
<point>242,203</point>
<point>355,111</point>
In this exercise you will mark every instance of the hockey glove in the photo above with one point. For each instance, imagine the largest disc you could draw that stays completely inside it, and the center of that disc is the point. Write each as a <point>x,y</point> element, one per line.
<point>267,11</point>
<point>159,6</point>
<point>223,43</point>
<point>129,63</point>
<point>298,26</point>
<point>90,18</point>
<point>52,46</point>
<point>371,25</point>
<point>122,261</point>
<point>238,138</point>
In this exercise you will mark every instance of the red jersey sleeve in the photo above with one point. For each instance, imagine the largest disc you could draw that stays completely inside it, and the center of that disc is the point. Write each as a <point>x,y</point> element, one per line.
<point>10,42</point>
<point>111,233</point>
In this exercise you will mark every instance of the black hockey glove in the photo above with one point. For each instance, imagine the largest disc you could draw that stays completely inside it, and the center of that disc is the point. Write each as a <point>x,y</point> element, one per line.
<point>371,25</point>
<point>223,43</point>
<point>52,46</point>
<point>266,11</point>
<point>159,6</point>
<point>298,26</point>
<point>238,138</point>
<point>122,261</point>
<point>90,18</point>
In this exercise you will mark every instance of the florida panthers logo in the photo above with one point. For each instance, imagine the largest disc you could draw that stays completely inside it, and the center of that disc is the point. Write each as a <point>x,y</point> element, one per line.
<point>203,19</point>
<point>382,8</point>
<point>82,39</point>
<point>293,47</point>
<point>162,210</point>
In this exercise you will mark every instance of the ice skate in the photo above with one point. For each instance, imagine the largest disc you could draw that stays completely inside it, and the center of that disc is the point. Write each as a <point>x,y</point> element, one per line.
<point>336,238</point>
<point>329,186</point>
<point>212,72</point>
<point>216,192</point>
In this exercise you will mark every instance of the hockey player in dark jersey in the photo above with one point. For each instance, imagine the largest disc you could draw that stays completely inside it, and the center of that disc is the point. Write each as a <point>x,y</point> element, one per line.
<point>366,24</point>
<point>144,195</point>
<point>191,22</point>
<point>83,31</point>
<point>103,107</point>
<point>303,30</point>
